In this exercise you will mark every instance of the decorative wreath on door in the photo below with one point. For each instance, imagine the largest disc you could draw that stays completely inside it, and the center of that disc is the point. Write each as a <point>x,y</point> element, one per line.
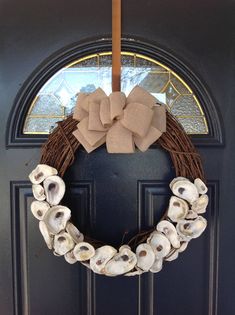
<point>123,123</point>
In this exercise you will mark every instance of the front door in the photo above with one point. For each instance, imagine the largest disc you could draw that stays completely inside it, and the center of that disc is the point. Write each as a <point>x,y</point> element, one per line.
<point>112,196</point>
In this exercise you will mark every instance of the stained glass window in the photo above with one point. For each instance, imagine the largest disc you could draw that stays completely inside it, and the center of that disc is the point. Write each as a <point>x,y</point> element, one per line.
<point>56,99</point>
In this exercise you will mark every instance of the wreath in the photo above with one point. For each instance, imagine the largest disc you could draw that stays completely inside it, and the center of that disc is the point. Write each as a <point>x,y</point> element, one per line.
<point>122,123</point>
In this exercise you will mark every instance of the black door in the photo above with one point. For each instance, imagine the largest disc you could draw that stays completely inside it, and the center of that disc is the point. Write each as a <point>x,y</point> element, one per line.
<point>113,194</point>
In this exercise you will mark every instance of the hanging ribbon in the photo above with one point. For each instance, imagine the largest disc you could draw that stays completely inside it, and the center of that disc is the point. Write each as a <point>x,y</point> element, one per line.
<point>122,122</point>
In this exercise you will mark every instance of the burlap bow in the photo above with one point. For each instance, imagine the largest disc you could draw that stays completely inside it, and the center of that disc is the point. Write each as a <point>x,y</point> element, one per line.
<point>122,122</point>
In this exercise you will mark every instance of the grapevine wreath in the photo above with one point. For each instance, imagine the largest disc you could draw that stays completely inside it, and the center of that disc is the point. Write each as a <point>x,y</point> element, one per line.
<point>123,123</point>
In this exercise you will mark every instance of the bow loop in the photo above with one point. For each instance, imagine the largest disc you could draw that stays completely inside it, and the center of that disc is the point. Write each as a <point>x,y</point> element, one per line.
<point>122,122</point>
<point>105,115</point>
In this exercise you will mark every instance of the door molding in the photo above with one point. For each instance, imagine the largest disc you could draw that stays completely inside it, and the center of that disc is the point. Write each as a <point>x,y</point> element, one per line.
<point>21,194</point>
<point>25,96</point>
<point>147,190</point>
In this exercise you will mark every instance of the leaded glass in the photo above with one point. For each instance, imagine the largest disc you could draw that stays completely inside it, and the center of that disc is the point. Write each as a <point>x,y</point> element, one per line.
<point>56,99</point>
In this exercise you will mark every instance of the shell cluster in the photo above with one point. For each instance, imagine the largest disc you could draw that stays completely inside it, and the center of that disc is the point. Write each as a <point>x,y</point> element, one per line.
<point>182,223</point>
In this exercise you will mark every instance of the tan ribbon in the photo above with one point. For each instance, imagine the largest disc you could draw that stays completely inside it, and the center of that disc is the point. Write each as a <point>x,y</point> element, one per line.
<point>122,122</point>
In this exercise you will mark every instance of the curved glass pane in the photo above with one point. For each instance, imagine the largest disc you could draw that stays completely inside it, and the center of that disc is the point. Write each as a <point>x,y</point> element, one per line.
<point>56,99</point>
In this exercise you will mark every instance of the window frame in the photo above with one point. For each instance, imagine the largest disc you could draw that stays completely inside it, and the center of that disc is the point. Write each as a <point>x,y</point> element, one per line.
<point>15,136</point>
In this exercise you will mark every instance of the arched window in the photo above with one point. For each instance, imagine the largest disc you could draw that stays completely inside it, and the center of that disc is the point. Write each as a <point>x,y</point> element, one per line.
<point>56,98</point>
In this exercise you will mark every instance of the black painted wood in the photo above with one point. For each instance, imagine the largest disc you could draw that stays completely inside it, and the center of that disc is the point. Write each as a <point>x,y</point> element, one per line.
<point>109,194</point>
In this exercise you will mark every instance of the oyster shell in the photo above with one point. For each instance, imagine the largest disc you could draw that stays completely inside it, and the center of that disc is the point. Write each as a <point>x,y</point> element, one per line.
<point>102,256</point>
<point>183,246</point>
<point>185,190</point>
<point>83,251</point>
<point>170,232</point>
<point>172,255</point>
<point>200,205</point>
<point>178,209</point>
<point>76,235</point>
<point>124,247</point>
<point>176,179</point>
<point>191,214</point>
<point>38,192</point>
<point>63,243</point>
<point>70,258</point>
<point>41,172</point>
<point>188,229</point>
<point>39,208</point>
<point>136,272</point>
<point>145,256</point>
<point>175,252</point>
<point>160,244</point>
<point>56,218</point>
<point>201,187</point>
<point>54,187</point>
<point>121,263</point>
<point>157,266</point>
<point>46,235</point>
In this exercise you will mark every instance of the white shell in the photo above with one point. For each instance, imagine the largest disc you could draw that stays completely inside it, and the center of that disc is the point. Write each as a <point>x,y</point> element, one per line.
<point>76,235</point>
<point>169,230</point>
<point>160,244</point>
<point>200,204</point>
<point>185,190</point>
<point>157,266</point>
<point>83,251</point>
<point>102,256</point>
<point>175,252</point>
<point>38,192</point>
<point>41,172</point>
<point>191,214</point>
<point>39,208</point>
<point>63,243</point>
<point>124,247</point>
<point>183,246</point>
<point>121,263</point>
<point>136,272</point>
<point>56,218</point>
<point>176,179</point>
<point>70,258</point>
<point>172,255</point>
<point>178,209</point>
<point>201,187</point>
<point>46,235</point>
<point>189,229</point>
<point>54,187</point>
<point>145,256</point>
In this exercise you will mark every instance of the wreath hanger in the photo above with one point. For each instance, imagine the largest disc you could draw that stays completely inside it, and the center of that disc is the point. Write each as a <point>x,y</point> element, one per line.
<point>116,45</point>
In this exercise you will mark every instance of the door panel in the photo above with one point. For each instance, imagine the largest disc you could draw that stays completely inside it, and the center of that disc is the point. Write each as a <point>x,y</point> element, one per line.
<point>194,273</point>
<point>112,194</point>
